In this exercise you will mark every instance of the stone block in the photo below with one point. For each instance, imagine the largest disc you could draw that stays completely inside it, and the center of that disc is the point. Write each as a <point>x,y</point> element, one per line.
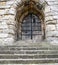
<point>11,31</point>
<point>57,21</point>
<point>55,13</point>
<point>50,27</point>
<point>2,42</point>
<point>11,11</point>
<point>48,18</point>
<point>56,2</point>
<point>3,22</point>
<point>9,2</point>
<point>53,7</point>
<point>3,35</point>
<point>3,26</point>
<point>11,26</point>
<point>50,0</point>
<point>49,34</point>
<point>4,7</point>
<point>11,36</point>
<point>52,40</point>
<point>56,33</point>
<point>47,9</point>
<point>11,22</point>
<point>2,3</point>
<point>51,22</point>
<point>49,14</point>
<point>51,3</point>
<point>8,41</point>
<point>2,12</point>
<point>0,17</point>
<point>55,17</point>
<point>56,26</point>
<point>5,30</point>
<point>8,17</point>
<point>52,34</point>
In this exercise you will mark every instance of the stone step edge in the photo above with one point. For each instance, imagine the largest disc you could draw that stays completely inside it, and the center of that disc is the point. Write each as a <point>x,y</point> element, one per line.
<point>29,53</point>
<point>38,46</point>
<point>29,59</point>
<point>24,54</point>
<point>29,50</point>
<point>33,64</point>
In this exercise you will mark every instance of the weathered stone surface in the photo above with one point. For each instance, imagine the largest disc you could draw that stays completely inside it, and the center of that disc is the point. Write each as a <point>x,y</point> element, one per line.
<point>11,26</point>
<point>57,26</point>
<point>57,21</point>
<point>48,18</point>
<point>52,34</point>
<point>12,11</point>
<point>6,41</point>
<point>50,27</point>
<point>11,31</point>
<point>47,9</point>
<point>9,2</point>
<point>3,26</point>
<point>55,17</point>
<point>3,35</point>
<point>2,3</point>
<point>35,64</point>
<point>8,17</point>
<point>53,40</point>
<point>2,12</point>
<point>51,22</point>
<point>4,7</point>
<point>49,14</point>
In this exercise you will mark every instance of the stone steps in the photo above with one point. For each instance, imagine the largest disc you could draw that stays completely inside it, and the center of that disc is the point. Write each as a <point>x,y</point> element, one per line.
<point>28,54</point>
<point>28,61</point>
<point>27,48</point>
<point>33,64</point>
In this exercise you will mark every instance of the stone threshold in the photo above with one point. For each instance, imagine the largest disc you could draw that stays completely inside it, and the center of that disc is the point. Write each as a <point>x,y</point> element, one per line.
<point>33,64</point>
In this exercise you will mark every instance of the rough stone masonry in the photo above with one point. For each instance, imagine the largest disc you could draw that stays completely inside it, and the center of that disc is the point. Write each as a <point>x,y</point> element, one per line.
<point>8,24</point>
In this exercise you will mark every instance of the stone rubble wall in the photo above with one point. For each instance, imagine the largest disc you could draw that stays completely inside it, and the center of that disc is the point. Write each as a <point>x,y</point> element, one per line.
<point>51,21</point>
<point>7,22</point>
<point>8,25</point>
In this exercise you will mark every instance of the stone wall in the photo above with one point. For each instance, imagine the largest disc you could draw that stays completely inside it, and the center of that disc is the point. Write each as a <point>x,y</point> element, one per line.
<point>8,24</point>
<point>51,18</point>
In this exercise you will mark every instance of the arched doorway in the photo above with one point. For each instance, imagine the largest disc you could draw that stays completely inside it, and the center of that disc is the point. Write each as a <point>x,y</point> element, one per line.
<point>30,22</point>
<point>31,28</point>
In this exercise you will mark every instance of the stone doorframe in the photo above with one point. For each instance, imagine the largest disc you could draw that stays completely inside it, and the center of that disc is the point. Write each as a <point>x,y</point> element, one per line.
<point>25,8</point>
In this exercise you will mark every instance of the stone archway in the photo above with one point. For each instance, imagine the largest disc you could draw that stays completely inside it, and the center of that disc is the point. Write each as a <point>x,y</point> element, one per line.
<point>30,27</point>
<point>24,10</point>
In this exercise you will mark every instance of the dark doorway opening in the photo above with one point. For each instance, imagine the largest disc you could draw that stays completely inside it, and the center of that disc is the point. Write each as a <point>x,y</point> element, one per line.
<point>30,27</point>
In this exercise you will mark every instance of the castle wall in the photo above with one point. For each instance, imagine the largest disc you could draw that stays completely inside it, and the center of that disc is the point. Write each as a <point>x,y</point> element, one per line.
<point>8,24</point>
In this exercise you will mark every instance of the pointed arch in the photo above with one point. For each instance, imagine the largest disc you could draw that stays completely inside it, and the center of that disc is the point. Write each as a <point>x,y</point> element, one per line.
<point>30,7</point>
